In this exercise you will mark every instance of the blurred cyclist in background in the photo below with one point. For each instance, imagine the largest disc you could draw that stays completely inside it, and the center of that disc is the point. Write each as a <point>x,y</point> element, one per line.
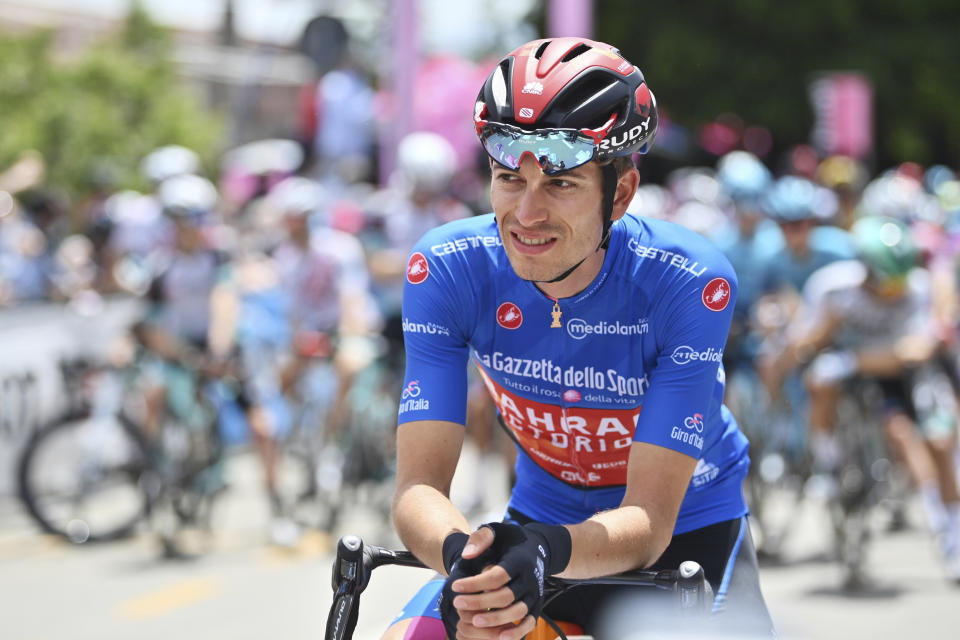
<point>417,200</point>
<point>798,206</point>
<point>750,244</point>
<point>873,317</point>
<point>323,274</point>
<point>846,177</point>
<point>177,327</point>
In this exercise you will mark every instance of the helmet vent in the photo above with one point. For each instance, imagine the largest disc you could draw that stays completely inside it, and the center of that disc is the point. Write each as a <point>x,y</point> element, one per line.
<point>589,88</point>
<point>576,51</point>
<point>542,48</point>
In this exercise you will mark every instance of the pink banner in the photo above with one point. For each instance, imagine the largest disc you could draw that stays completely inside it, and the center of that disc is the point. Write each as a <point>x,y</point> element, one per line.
<point>570,18</point>
<point>843,105</point>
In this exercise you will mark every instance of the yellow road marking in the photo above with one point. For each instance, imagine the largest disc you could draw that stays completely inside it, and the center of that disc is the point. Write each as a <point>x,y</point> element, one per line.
<point>169,598</point>
<point>312,544</point>
<point>20,546</point>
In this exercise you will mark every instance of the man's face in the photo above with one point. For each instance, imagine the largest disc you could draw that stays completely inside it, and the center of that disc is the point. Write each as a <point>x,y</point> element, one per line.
<point>189,236</point>
<point>547,223</point>
<point>886,289</point>
<point>297,226</point>
<point>796,234</point>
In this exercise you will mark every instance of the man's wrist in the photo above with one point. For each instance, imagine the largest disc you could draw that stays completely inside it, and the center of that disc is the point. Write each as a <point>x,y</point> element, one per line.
<point>558,541</point>
<point>453,546</point>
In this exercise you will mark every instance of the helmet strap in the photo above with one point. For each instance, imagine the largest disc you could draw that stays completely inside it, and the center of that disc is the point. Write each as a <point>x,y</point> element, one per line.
<point>609,173</point>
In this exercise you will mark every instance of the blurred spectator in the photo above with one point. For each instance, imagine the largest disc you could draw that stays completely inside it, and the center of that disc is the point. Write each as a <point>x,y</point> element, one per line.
<point>417,200</point>
<point>336,118</point>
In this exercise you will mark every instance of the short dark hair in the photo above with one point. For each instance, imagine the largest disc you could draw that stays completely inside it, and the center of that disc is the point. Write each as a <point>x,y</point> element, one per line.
<point>622,164</point>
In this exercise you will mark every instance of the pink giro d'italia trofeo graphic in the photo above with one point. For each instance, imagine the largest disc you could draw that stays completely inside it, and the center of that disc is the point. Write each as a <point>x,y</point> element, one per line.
<point>509,316</point>
<point>716,295</point>
<point>417,268</point>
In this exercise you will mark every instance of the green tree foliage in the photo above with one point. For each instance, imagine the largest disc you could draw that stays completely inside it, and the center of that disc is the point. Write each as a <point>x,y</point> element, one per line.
<point>755,58</point>
<point>112,106</point>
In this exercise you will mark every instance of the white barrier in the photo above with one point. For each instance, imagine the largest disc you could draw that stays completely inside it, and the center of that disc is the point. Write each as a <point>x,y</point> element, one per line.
<point>33,340</point>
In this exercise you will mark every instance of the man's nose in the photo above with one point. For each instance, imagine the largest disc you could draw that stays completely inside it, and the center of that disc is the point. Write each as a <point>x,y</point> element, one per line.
<point>531,207</point>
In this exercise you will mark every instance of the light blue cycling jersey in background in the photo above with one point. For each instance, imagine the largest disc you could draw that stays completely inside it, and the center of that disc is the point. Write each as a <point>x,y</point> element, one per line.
<point>635,357</point>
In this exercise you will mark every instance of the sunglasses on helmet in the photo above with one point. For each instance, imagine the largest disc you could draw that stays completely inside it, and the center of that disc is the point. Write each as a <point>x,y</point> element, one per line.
<point>554,150</point>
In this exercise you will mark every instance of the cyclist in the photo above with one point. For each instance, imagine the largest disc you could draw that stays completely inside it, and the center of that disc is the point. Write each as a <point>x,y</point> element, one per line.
<point>599,336</point>
<point>797,205</point>
<point>418,201</point>
<point>750,245</point>
<point>874,317</point>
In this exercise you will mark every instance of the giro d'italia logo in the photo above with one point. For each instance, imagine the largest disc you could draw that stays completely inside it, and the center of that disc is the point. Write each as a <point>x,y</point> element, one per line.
<point>509,316</point>
<point>417,268</point>
<point>716,295</point>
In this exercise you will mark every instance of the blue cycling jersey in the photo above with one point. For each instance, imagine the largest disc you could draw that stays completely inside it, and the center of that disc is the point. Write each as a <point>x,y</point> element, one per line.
<point>635,357</point>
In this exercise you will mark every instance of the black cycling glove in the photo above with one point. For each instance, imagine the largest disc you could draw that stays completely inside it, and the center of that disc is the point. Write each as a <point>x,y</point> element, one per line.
<point>527,553</point>
<point>458,567</point>
<point>453,546</point>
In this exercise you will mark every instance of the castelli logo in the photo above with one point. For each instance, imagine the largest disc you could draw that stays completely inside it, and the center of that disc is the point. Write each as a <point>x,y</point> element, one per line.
<point>533,88</point>
<point>417,268</point>
<point>716,295</point>
<point>509,316</point>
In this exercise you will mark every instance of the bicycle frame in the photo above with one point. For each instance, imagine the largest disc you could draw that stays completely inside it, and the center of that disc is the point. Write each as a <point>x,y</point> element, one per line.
<point>355,562</point>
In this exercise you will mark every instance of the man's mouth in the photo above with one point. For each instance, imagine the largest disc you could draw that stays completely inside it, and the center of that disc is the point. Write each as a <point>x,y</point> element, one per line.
<point>531,244</point>
<point>532,241</point>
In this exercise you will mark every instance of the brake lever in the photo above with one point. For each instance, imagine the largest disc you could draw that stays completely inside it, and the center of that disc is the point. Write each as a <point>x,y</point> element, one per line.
<point>349,566</point>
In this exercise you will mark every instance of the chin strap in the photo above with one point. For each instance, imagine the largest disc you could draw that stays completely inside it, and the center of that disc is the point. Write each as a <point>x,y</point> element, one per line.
<point>609,174</point>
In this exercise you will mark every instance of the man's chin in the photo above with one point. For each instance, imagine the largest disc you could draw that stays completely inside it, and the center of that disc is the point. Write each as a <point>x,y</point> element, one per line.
<point>533,273</point>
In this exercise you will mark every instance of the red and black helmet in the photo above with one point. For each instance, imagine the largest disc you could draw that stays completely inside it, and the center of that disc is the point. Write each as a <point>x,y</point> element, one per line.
<point>573,84</point>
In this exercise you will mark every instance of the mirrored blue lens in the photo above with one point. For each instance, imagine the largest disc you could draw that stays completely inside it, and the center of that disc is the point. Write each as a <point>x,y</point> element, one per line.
<point>555,151</point>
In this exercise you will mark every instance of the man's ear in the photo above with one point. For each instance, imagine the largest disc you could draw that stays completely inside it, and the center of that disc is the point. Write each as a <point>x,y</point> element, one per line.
<point>626,188</point>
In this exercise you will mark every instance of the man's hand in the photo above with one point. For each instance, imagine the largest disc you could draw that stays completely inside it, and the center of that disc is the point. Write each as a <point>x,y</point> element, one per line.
<point>915,350</point>
<point>502,600</point>
<point>481,605</point>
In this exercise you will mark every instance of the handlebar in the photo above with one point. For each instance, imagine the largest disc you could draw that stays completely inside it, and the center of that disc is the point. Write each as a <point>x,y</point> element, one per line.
<point>355,561</point>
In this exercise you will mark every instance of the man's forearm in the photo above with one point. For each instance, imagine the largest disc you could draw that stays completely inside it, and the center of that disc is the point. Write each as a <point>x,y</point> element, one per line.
<point>423,517</point>
<point>613,541</point>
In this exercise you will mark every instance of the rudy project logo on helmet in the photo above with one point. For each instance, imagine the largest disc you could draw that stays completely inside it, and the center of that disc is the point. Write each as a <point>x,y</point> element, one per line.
<point>616,142</point>
<point>533,88</point>
<point>685,354</point>
<point>716,295</point>
<point>509,316</point>
<point>417,268</point>
<point>580,329</point>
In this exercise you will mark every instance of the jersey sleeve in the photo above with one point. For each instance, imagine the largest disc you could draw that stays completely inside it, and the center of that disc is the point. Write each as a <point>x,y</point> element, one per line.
<point>681,410</point>
<point>435,303</point>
